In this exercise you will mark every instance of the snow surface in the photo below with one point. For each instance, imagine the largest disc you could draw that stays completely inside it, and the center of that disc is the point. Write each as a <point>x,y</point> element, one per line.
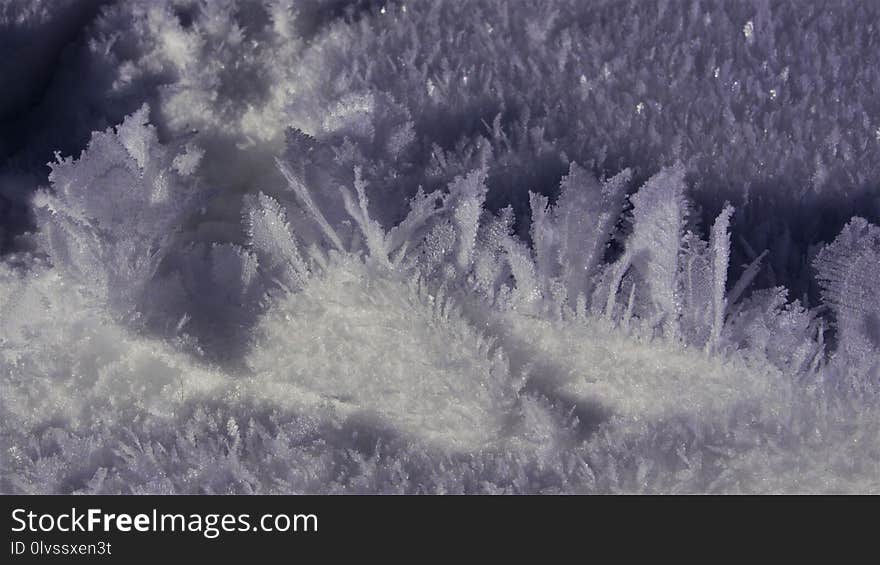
<point>478,246</point>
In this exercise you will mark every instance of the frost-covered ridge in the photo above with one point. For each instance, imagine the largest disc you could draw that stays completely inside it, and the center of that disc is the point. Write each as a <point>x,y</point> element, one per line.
<point>420,247</point>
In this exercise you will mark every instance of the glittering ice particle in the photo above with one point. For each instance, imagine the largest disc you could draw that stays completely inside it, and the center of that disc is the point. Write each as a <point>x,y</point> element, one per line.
<point>749,31</point>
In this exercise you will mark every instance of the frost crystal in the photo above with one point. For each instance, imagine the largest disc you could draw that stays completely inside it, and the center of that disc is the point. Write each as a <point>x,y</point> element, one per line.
<point>112,214</point>
<point>659,213</point>
<point>849,271</point>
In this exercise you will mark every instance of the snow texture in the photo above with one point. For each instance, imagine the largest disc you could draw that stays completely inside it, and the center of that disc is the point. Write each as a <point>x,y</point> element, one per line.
<point>291,246</point>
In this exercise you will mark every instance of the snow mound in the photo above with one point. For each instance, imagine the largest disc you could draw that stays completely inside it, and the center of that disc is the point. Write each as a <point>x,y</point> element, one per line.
<point>370,346</point>
<point>612,372</point>
<point>65,362</point>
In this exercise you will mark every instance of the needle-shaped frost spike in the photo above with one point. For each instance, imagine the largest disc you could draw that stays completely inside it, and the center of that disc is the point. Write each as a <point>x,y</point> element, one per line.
<point>719,244</point>
<point>570,238</point>
<point>270,236</point>
<point>660,211</point>
<point>373,232</point>
<point>422,207</point>
<point>745,279</point>
<point>586,214</point>
<point>544,236</point>
<point>468,193</point>
<point>305,198</point>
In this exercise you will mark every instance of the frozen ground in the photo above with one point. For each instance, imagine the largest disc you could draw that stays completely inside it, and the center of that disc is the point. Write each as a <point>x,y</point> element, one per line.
<point>461,246</point>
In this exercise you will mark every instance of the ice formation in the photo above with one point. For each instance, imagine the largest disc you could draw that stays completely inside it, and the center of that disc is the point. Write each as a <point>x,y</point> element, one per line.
<point>483,246</point>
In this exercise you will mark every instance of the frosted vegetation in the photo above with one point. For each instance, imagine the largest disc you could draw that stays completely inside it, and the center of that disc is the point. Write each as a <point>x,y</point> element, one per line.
<point>475,246</point>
